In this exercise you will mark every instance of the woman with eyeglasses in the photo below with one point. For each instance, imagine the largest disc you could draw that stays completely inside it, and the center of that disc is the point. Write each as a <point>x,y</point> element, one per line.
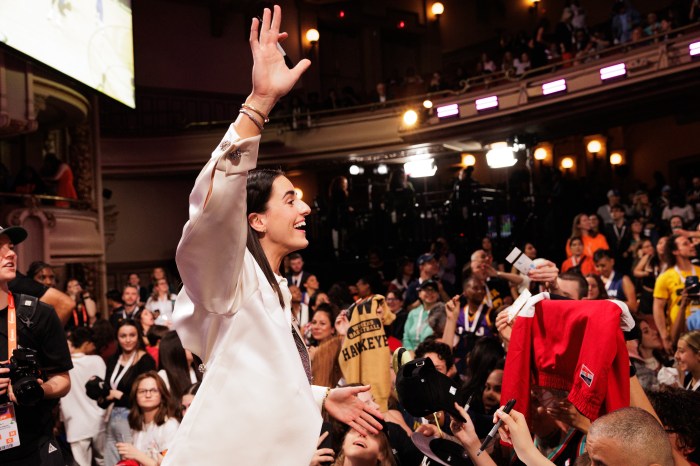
<point>151,421</point>
<point>130,361</point>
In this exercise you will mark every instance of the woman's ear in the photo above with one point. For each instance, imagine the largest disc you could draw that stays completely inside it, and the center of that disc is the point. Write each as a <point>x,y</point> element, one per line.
<point>258,222</point>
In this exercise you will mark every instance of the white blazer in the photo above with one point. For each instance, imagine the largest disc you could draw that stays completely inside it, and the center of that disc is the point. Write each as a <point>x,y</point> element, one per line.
<point>255,405</point>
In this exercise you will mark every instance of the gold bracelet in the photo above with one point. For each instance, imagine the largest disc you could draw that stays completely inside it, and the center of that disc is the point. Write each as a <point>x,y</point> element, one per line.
<point>323,403</point>
<point>253,119</point>
<point>253,109</point>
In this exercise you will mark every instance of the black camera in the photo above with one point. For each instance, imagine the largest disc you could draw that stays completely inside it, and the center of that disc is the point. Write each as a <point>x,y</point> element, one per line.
<point>24,372</point>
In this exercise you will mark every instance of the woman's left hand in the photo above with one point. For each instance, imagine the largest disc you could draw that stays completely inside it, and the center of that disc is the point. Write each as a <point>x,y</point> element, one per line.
<point>127,450</point>
<point>272,78</point>
<point>343,404</point>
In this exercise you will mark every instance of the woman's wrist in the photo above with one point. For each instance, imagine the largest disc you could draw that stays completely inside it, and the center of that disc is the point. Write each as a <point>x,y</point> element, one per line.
<point>263,104</point>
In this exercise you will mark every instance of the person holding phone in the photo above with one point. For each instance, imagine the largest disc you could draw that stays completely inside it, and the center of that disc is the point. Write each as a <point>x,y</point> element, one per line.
<point>669,286</point>
<point>234,308</point>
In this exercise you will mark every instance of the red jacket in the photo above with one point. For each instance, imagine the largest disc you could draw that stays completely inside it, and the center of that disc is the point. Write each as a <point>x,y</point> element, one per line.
<point>576,346</point>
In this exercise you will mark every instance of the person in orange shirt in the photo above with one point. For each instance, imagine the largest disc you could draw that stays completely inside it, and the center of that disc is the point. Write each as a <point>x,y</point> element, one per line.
<point>578,261</point>
<point>581,227</point>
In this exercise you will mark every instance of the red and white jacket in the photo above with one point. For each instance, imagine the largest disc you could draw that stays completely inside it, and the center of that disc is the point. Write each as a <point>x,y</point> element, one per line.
<point>576,346</point>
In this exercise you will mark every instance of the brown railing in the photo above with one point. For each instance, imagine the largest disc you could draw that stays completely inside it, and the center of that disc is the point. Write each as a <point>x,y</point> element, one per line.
<point>44,200</point>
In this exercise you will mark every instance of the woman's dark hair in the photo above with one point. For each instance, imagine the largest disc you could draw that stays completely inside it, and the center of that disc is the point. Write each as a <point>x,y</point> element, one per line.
<point>486,354</point>
<point>136,418</point>
<point>102,334</point>
<point>258,191</point>
<point>339,295</point>
<point>139,333</point>
<point>669,248</point>
<point>602,292</point>
<point>329,309</point>
<point>173,360</point>
<point>678,409</point>
<point>36,267</point>
<point>80,335</point>
<point>156,333</point>
<point>50,165</point>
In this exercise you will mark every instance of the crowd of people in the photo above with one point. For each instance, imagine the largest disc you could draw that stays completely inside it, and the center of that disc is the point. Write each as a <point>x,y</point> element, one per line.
<point>255,344</point>
<point>569,42</point>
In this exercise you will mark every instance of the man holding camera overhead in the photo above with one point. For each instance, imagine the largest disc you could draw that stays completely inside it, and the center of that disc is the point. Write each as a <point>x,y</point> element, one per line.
<point>34,365</point>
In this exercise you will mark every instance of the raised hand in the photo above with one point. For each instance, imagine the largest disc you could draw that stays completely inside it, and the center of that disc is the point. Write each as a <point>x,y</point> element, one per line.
<point>271,77</point>
<point>343,405</point>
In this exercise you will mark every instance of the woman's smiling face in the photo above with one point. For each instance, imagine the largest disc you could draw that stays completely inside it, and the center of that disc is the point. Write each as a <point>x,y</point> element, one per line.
<point>284,224</point>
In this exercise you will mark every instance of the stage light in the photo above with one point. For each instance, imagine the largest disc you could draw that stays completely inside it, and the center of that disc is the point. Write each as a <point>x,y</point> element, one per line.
<point>448,110</point>
<point>299,193</point>
<point>594,146</point>
<point>567,163</point>
<point>540,153</point>
<point>382,169</point>
<point>437,9</point>
<point>554,86</point>
<point>427,103</point>
<point>486,103</point>
<point>613,71</point>
<point>356,170</point>
<point>341,14</point>
<point>500,156</point>
<point>312,36</point>
<point>410,117</point>
<point>468,160</point>
<point>694,49</point>
<point>401,25</point>
<point>420,168</point>
<point>615,158</point>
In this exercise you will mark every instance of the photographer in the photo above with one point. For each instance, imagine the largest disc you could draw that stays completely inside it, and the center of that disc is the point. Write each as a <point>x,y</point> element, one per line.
<point>39,343</point>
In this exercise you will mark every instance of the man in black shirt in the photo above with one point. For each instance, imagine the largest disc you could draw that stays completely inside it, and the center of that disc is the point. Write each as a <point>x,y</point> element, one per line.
<point>37,328</point>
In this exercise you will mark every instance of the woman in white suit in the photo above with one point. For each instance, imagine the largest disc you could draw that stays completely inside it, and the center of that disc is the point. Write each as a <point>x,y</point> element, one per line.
<point>234,309</point>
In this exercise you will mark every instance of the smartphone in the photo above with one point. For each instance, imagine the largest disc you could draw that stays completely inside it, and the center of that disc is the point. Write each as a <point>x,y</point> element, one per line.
<point>692,286</point>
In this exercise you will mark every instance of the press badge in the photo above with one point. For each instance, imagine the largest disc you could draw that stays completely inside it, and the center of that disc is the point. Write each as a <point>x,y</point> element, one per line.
<point>9,435</point>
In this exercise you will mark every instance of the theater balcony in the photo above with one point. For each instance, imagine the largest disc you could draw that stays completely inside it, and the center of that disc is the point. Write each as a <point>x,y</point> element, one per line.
<point>39,113</point>
<point>657,77</point>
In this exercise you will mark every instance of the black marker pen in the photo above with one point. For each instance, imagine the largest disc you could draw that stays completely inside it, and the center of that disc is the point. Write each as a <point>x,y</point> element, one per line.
<point>496,426</point>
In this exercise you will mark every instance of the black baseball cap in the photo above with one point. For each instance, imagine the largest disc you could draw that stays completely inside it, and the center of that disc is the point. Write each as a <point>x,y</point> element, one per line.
<point>16,234</point>
<point>442,451</point>
<point>422,390</point>
<point>429,284</point>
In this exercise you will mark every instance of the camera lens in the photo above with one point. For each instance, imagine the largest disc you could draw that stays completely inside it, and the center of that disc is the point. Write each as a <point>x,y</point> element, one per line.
<point>28,391</point>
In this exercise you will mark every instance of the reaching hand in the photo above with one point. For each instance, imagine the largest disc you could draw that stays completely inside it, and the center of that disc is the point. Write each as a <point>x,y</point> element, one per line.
<point>342,324</point>
<point>464,431</point>
<point>515,431</point>
<point>322,455</point>
<point>504,327</point>
<point>343,405</point>
<point>271,77</point>
<point>545,271</point>
<point>567,413</point>
<point>452,308</point>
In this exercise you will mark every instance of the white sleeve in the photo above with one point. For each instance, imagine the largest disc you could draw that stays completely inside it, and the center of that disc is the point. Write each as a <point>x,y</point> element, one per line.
<point>319,394</point>
<point>211,250</point>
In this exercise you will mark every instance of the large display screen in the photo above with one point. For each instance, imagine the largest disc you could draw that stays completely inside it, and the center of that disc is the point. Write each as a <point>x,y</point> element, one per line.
<point>89,40</point>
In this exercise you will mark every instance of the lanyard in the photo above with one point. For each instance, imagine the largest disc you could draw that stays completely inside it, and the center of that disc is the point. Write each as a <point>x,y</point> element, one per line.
<point>619,233</point>
<point>487,297</point>
<point>76,318</point>
<point>421,322</point>
<point>11,325</point>
<point>116,375</point>
<point>470,327</point>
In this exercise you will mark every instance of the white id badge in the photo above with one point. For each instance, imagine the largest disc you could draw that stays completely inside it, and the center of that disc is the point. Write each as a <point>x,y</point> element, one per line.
<point>9,433</point>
